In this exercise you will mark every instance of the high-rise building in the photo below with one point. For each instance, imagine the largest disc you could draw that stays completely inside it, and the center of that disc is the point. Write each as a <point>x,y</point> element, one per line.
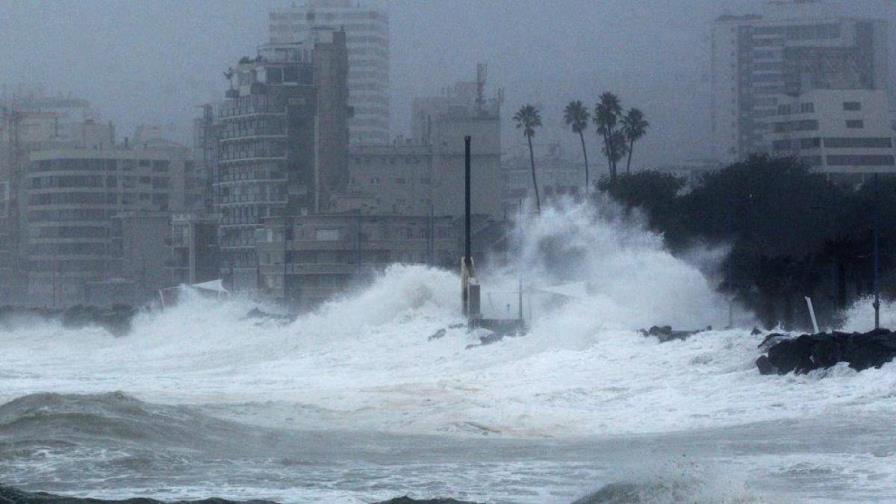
<point>367,38</point>
<point>759,62</point>
<point>280,143</point>
<point>78,207</point>
<point>836,131</point>
<point>31,121</point>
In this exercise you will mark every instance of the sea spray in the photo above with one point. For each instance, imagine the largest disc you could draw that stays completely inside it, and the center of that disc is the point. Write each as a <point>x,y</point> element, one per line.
<point>364,361</point>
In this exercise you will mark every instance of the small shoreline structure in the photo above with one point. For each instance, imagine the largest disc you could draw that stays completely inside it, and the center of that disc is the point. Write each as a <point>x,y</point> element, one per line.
<point>470,287</point>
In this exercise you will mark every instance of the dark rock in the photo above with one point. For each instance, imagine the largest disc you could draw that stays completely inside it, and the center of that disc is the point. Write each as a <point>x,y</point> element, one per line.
<point>13,496</point>
<point>115,319</point>
<point>666,333</point>
<point>765,366</point>
<point>437,335</point>
<point>408,500</point>
<point>488,339</point>
<point>771,340</point>
<point>755,331</point>
<point>808,352</point>
<point>258,314</point>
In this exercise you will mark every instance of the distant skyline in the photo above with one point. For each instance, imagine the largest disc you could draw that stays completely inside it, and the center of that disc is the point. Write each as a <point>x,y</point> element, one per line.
<point>157,62</point>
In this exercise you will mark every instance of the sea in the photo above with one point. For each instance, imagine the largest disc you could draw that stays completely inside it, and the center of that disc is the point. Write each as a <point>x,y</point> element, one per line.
<point>384,391</point>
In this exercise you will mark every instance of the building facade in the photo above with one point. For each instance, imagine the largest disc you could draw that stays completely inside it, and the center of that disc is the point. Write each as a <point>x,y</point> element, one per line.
<point>310,259</point>
<point>442,122</point>
<point>75,200</point>
<point>557,178</point>
<point>194,249</point>
<point>280,143</point>
<point>838,132</point>
<point>791,49</point>
<point>367,39</point>
<point>389,179</point>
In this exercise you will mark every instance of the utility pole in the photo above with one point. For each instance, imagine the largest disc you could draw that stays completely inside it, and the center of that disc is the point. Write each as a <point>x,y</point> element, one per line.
<point>876,253</point>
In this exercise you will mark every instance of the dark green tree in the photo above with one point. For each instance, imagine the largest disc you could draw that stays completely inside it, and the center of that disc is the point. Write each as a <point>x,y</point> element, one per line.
<point>635,127</point>
<point>606,119</point>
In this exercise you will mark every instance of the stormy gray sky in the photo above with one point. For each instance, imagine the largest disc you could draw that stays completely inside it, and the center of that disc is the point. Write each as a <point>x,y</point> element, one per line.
<point>154,61</point>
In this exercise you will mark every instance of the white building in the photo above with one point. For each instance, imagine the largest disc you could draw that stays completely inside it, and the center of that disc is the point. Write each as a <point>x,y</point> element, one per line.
<point>793,48</point>
<point>835,131</point>
<point>367,39</point>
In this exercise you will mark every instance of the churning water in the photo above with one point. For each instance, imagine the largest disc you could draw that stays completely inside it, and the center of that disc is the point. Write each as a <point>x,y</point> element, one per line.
<point>354,402</point>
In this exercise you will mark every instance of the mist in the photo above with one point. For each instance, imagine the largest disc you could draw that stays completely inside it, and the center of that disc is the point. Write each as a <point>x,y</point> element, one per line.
<point>156,62</point>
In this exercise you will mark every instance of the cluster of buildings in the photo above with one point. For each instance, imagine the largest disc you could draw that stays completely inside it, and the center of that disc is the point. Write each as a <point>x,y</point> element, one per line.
<point>295,188</point>
<point>801,80</point>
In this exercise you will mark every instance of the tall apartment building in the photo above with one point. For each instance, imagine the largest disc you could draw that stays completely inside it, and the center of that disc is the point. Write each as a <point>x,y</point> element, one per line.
<point>76,208</point>
<point>837,132</point>
<point>279,143</point>
<point>794,48</point>
<point>31,121</point>
<point>367,38</point>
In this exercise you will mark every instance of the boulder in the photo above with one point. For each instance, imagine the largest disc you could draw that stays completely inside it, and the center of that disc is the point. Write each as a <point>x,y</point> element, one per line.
<point>808,352</point>
<point>408,500</point>
<point>666,333</point>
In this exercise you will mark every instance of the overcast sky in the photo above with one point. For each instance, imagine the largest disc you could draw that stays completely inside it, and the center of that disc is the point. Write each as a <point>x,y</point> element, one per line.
<point>155,61</point>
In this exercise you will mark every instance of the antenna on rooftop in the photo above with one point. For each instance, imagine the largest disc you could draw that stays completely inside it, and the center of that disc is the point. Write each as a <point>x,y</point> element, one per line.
<point>481,71</point>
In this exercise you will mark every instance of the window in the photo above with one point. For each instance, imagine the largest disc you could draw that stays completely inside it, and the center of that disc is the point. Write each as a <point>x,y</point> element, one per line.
<point>866,160</point>
<point>326,234</point>
<point>807,108</point>
<point>847,143</point>
<point>781,145</point>
<point>855,124</point>
<point>852,106</point>
<point>810,143</point>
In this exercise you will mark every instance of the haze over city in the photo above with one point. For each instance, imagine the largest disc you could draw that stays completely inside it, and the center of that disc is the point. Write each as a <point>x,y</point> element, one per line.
<point>169,56</point>
<point>447,251</point>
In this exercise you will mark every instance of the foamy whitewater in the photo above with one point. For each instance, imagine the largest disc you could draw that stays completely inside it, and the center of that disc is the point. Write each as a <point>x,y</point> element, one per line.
<point>583,389</point>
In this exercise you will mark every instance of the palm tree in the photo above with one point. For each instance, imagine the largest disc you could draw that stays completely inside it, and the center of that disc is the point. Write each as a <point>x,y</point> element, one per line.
<point>634,126</point>
<point>576,117</point>
<point>615,149</point>
<point>527,119</point>
<point>606,116</point>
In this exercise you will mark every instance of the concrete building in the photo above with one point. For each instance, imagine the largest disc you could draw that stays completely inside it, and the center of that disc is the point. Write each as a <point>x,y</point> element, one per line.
<point>557,178</point>
<point>367,38</point>
<point>310,259</point>
<point>280,143</point>
<point>193,249</point>
<point>33,121</point>
<point>424,174</point>
<point>838,132</point>
<point>389,179</point>
<point>791,49</point>
<point>82,207</point>
<point>442,122</point>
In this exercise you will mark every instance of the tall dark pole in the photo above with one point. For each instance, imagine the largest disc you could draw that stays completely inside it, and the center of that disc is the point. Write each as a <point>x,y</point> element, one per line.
<point>467,246</point>
<point>876,253</point>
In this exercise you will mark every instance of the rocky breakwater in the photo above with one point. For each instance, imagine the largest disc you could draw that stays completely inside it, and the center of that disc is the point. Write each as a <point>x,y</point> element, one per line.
<point>808,352</point>
<point>116,318</point>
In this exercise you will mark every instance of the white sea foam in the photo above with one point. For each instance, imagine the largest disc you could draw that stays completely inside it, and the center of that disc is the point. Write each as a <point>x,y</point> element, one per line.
<point>364,362</point>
